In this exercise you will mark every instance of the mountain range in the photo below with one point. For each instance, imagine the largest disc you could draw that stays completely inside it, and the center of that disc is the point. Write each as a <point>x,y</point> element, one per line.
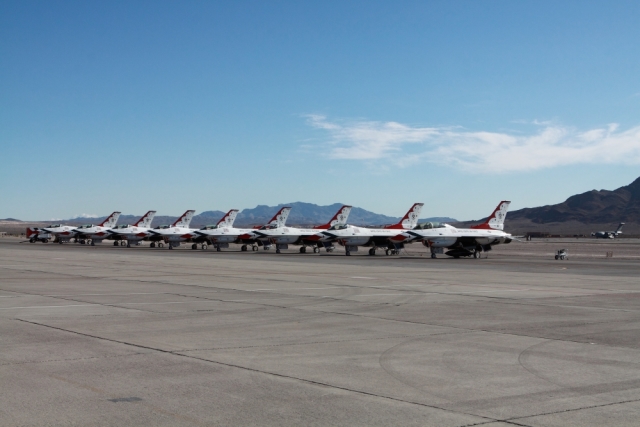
<point>580,214</point>
<point>302,214</point>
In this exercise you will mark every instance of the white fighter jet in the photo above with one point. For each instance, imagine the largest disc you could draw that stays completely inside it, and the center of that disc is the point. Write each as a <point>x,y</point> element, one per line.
<point>461,241</point>
<point>283,236</point>
<point>63,233</point>
<point>225,222</point>
<point>96,233</point>
<point>133,233</point>
<point>173,234</point>
<point>220,237</point>
<point>351,236</point>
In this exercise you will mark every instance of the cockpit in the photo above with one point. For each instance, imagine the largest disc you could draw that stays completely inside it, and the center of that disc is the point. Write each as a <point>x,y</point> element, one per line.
<point>122,226</point>
<point>209,227</point>
<point>268,227</point>
<point>338,227</point>
<point>86,226</point>
<point>430,225</point>
<point>55,226</point>
<point>162,227</point>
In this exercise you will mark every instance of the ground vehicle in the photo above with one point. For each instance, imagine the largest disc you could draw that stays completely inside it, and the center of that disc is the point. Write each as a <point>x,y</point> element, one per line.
<point>562,254</point>
<point>35,234</point>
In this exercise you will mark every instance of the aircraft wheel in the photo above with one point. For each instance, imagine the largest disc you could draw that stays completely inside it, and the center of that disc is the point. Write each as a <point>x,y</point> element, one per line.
<point>386,252</point>
<point>194,246</point>
<point>123,243</point>
<point>433,256</point>
<point>152,245</point>
<point>218,249</point>
<point>243,248</point>
<point>557,257</point>
<point>347,253</point>
<point>32,240</point>
<point>372,251</point>
<point>316,250</point>
<point>170,246</point>
<point>161,245</point>
<point>255,248</point>
<point>45,240</point>
<point>303,250</point>
<point>60,241</point>
<point>204,246</point>
<point>128,244</point>
<point>277,251</point>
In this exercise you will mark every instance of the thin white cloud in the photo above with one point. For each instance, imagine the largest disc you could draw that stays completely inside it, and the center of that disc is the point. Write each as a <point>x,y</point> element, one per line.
<point>86,215</point>
<point>481,151</point>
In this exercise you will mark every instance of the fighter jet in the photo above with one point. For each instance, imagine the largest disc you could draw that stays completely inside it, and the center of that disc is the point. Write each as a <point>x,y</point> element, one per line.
<point>221,236</point>
<point>351,236</point>
<point>96,233</point>
<point>133,233</point>
<point>203,238</point>
<point>608,234</point>
<point>173,234</point>
<point>461,241</point>
<point>283,236</point>
<point>63,233</point>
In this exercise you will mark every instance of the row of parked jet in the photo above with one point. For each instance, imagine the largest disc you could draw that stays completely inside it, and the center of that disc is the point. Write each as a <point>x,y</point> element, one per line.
<point>459,242</point>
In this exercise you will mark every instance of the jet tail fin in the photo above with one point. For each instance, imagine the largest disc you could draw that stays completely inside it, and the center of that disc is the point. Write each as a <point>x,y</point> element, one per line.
<point>495,221</point>
<point>145,220</point>
<point>32,231</point>
<point>618,231</point>
<point>111,220</point>
<point>184,220</point>
<point>340,218</point>
<point>228,219</point>
<point>280,218</point>
<point>410,219</point>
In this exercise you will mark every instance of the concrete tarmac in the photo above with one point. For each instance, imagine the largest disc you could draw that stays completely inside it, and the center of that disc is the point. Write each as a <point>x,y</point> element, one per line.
<point>111,336</point>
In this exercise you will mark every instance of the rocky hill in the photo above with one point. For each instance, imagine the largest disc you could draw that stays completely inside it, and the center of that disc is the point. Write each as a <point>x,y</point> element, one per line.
<point>592,207</point>
<point>595,210</point>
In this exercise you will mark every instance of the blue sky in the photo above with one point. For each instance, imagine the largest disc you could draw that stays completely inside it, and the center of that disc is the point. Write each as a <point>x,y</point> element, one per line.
<point>206,105</point>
